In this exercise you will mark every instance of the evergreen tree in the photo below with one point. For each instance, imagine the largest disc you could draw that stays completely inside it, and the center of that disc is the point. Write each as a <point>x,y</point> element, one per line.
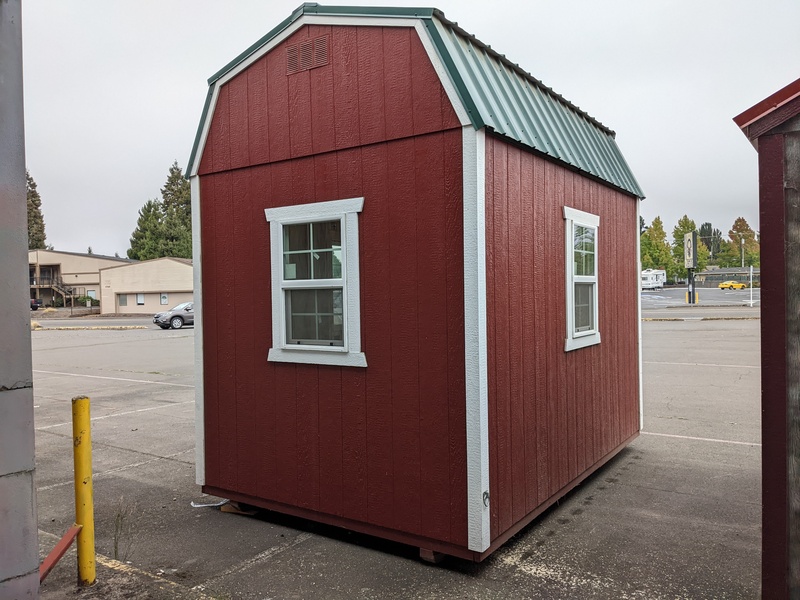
<point>164,227</point>
<point>36,234</point>
<point>147,238</point>
<point>686,225</point>
<point>711,238</point>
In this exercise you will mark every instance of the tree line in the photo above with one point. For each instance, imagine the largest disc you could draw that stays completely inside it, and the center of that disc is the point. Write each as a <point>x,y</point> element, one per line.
<point>742,245</point>
<point>164,226</point>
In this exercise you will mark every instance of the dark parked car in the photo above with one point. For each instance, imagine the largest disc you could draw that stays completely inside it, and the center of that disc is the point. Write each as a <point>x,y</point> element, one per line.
<point>176,317</point>
<point>35,303</point>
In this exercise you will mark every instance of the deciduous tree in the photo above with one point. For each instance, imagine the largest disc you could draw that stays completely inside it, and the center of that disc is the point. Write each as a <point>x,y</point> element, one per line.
<point>686,225</point>
<point>655,249</point>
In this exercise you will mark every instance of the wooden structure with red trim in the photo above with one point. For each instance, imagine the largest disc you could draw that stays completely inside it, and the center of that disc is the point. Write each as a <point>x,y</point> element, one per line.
<point>470,418</point>
<point>773,126</point>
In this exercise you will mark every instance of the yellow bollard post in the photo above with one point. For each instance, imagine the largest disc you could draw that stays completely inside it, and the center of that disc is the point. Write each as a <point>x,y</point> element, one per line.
<point>84,492</point>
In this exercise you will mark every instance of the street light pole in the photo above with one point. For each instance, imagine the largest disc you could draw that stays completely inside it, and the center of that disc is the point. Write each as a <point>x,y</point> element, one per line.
<point>741,243</point>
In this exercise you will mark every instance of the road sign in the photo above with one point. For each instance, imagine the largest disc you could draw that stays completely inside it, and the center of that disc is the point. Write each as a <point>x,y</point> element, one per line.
<point>690,250</point>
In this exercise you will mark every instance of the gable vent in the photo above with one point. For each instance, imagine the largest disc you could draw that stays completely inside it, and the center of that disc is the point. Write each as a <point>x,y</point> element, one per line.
<point>306,55</point>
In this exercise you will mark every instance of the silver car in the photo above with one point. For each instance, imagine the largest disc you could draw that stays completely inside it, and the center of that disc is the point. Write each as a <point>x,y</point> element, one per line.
<point>176,317</point>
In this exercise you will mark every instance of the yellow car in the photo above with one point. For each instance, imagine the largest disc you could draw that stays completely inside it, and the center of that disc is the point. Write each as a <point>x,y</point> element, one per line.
<point>732,285</point>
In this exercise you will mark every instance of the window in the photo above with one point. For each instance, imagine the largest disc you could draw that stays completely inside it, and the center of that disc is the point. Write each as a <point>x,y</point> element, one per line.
<point>123,299</point>
<point>140,299</point>
<point>316,314</point>
<point>581,263</point>
<point>164,299</point>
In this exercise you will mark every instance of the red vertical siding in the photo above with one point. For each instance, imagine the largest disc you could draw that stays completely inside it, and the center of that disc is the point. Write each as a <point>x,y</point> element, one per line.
<point>773,219</point>
<point>378,85</point>
<point>382,445</point>
<point>552,414</point>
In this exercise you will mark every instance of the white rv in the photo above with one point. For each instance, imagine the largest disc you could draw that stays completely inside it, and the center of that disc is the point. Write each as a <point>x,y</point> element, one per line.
<point>653,279</point>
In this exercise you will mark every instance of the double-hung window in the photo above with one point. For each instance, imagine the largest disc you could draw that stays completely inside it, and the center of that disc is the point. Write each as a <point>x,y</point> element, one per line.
<point>316,314</point>
<point>581,275</point>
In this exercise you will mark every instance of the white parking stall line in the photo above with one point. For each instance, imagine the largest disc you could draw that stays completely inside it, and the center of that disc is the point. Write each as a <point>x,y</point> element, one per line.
<point>120,414</point>
<point>186,385</point>
<point>701,439</point>
<point>686,364</point>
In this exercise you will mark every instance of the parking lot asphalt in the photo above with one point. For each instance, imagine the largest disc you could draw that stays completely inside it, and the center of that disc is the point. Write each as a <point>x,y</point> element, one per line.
<point>675,515</point>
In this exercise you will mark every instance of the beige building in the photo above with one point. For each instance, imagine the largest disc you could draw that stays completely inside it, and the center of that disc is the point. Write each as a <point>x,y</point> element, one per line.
<point>146,287</point>
<point>55,277</point>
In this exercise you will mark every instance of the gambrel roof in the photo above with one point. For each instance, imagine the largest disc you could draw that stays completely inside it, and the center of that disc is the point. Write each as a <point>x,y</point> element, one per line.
<point>494,92</point>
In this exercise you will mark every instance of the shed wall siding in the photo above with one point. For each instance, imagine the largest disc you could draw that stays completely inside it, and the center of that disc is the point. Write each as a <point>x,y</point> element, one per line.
<point>378,85</point>
<point>552,414</point>
<point>383,445</point>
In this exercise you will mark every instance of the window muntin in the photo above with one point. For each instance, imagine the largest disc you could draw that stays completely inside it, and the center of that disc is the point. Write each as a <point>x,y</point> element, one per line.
<point>581,279</point>
<point>315,283</point>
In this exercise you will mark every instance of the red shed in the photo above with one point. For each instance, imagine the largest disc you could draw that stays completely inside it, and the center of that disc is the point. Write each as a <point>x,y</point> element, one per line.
<point>417,282</point>
<point>773,127</point>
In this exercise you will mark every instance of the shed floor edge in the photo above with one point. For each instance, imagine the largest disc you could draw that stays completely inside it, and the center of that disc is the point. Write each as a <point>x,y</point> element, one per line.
<point>527,519</point>
<point>410,538</point>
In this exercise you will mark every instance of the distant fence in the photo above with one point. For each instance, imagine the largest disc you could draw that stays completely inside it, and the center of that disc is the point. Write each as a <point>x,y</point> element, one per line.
<point>714,277</point>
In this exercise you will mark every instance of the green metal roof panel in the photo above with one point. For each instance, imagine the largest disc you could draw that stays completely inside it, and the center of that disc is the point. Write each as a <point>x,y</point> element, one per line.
<point>517,106</point>
<point>495,93</point>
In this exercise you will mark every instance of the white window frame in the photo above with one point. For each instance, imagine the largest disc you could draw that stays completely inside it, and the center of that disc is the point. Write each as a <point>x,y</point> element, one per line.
<point>349,353</point>
<point>581,339</point>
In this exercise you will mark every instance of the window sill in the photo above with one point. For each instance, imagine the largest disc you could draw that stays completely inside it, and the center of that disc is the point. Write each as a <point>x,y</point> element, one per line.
<point>581,342</point>
<point>318,357</point>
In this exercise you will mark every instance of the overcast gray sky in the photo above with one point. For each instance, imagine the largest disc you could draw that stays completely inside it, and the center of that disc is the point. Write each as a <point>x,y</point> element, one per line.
<point>114,92</point>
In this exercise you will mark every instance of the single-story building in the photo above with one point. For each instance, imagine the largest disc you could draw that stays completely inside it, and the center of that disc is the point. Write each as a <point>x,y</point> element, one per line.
<point>443,256</point>
<point>147,286</point>
<point>56,277</point>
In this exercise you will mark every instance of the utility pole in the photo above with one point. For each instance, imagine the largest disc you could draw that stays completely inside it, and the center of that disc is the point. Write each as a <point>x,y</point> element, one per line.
<point>19,550</point>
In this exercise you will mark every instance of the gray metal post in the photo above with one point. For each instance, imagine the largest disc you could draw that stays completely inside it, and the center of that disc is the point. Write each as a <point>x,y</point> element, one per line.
<point>19,550</point>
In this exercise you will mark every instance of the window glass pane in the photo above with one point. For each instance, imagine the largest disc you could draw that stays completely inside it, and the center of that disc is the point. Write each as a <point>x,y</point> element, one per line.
<point>296,237</point>
<point>297,266</point>
<point>583,244</point>
<point>303,328</point>
<point>584,307</point>
<point>323,265</point>
<point>315,317</point>
<point>123,299</point>
<point>304,302</point>
<point>327,235</point>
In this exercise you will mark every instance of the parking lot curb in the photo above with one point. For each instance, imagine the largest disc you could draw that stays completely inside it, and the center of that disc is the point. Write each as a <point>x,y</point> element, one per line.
<point>38,327</point>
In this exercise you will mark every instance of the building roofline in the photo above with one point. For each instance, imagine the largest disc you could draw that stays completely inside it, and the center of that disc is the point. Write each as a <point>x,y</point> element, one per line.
<point>602,159</point>
<point>85,255</point>
<point>768,105</point>
<point>185,261</point>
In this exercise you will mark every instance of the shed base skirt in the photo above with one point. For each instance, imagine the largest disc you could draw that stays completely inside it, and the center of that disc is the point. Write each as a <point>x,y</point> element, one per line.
<point>422,542</point>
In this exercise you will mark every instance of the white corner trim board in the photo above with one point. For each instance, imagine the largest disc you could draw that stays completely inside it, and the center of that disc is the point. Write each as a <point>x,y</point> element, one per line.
<point>475,359</point>
<point>199,415</point>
